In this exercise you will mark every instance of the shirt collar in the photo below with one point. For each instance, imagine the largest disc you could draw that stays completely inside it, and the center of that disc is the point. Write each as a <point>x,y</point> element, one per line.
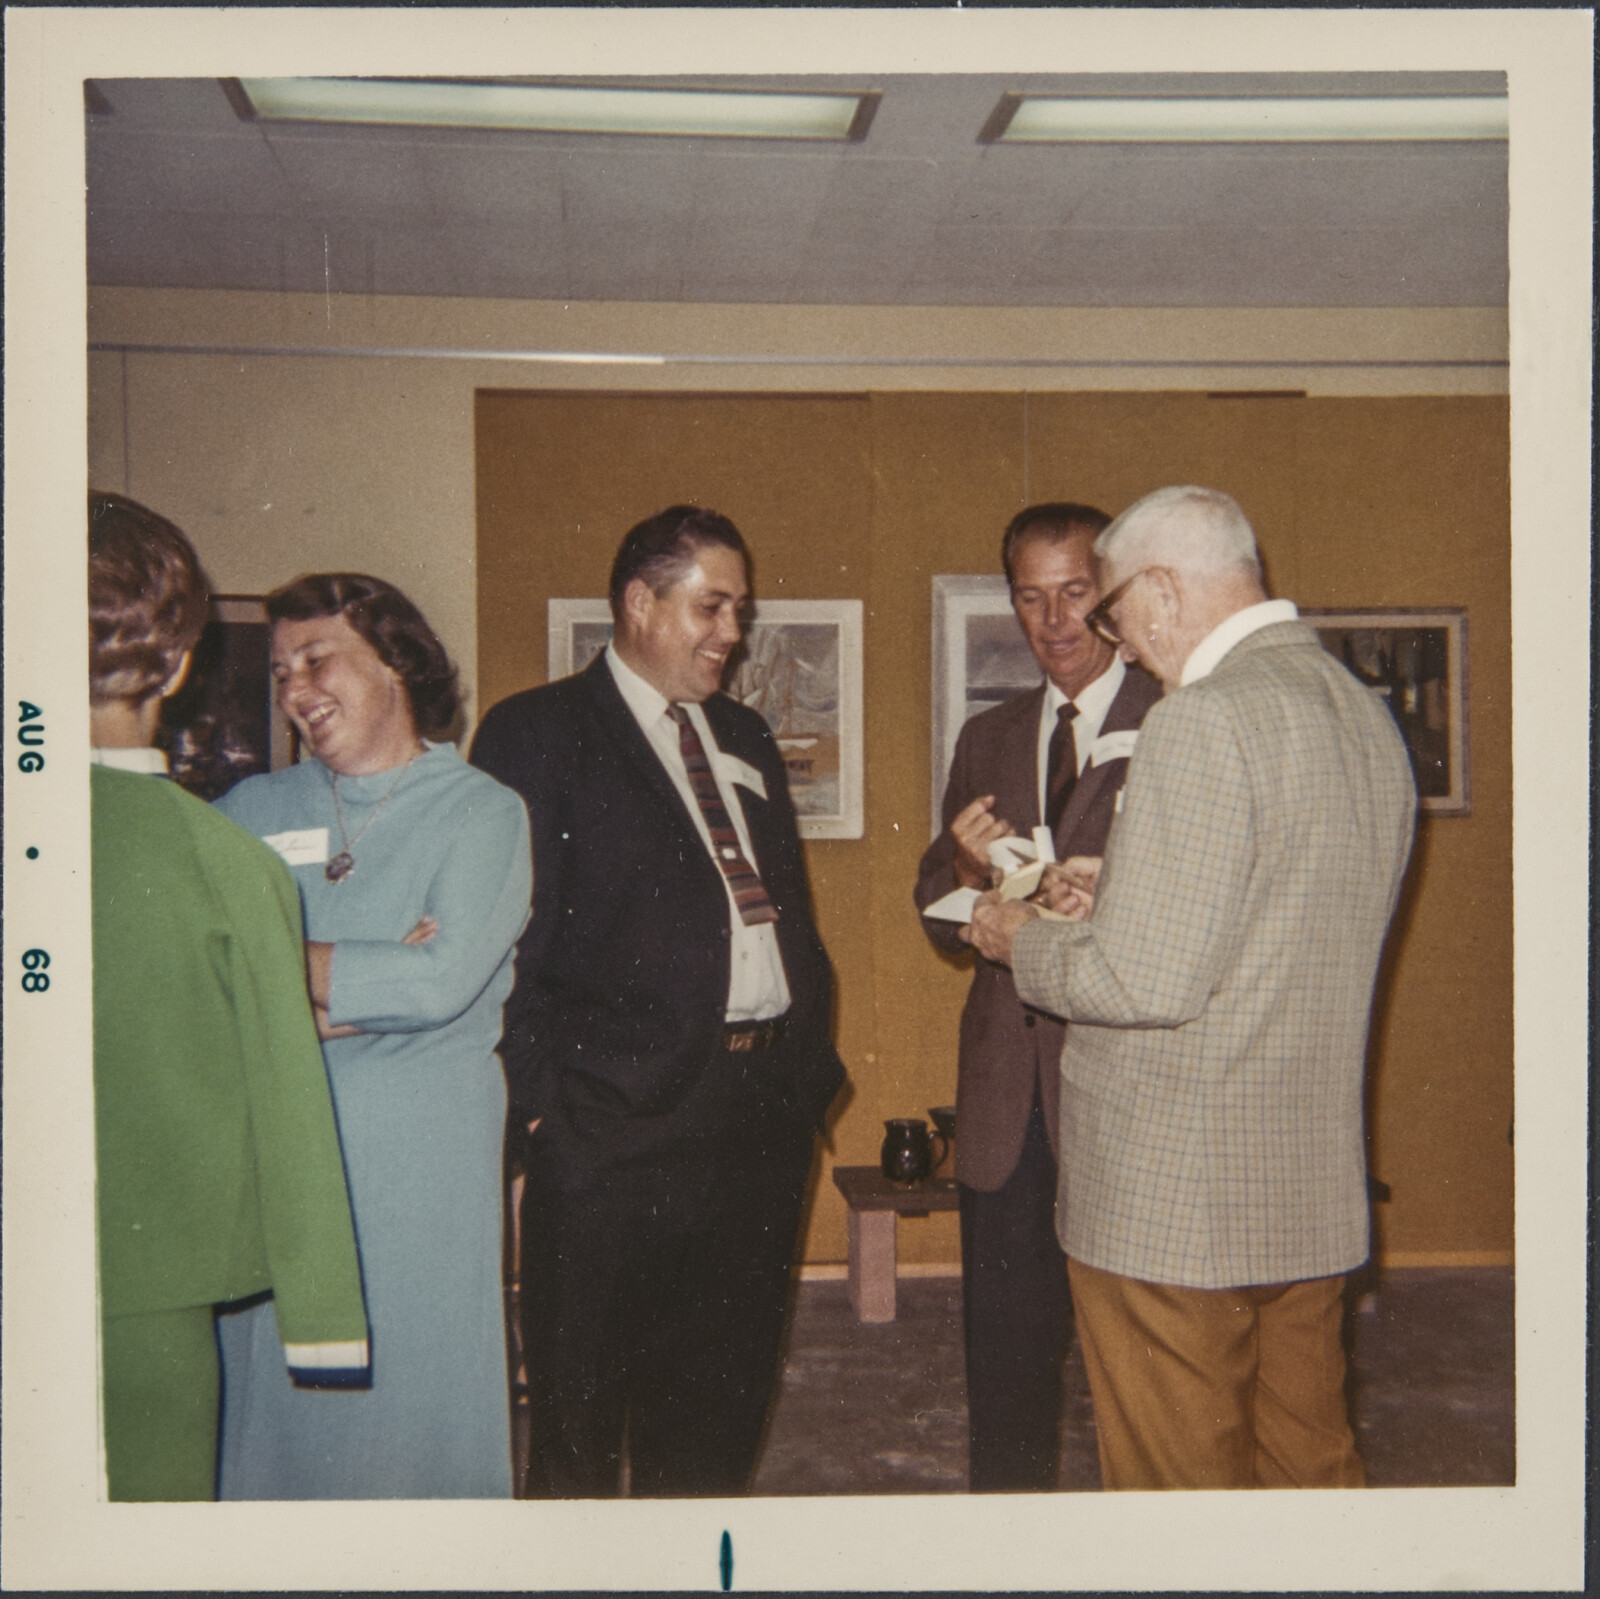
<point>1208,653</point>
<point>1094,700</point>
<point>645,700</point>
<point>145,759</point>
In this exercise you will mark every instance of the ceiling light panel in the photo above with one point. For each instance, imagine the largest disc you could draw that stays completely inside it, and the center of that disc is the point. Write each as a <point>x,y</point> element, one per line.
<point>555,108</point>
<point>1026,119</point>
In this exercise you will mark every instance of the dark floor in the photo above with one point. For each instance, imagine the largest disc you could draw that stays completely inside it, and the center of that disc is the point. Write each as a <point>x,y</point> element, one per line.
<point>882,1409</point>
<point>867,1409</point>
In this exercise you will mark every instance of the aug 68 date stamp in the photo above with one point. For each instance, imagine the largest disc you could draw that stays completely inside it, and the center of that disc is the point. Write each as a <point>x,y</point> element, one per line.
<point>30,734</point>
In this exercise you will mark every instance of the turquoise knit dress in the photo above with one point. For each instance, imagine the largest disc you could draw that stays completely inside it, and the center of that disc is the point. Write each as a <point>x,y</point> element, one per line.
<point>420,1101</point>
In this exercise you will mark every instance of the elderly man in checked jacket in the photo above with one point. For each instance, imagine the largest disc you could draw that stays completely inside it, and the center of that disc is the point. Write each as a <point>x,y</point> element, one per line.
<point>1218,975</point>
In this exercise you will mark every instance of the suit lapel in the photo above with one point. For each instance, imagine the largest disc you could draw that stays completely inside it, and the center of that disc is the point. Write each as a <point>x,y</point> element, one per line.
<point>726,731</point>
<point>1085,791</point>
<point>612,714</point>
<point>1125,712</point>
<point>1018,764</point>
<point>1138,693</point>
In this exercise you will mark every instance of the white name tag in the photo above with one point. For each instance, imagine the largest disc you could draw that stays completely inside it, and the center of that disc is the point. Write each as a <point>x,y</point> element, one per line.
<point>737,771</point>
<point>306,846</point>
<point>1113,746</point>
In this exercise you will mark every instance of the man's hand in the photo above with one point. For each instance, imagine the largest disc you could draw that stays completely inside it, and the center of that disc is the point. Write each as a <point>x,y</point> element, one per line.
<point>973,830</point>
<point>1068,887</point>
<point>994,924</point>
<point>424,932</point>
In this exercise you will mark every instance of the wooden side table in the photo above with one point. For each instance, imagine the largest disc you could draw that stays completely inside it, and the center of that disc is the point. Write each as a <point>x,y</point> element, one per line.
<point>876,1206</point>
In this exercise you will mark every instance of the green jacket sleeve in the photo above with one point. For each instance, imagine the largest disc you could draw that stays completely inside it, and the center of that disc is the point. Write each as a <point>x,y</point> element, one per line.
<point>300,1183</point>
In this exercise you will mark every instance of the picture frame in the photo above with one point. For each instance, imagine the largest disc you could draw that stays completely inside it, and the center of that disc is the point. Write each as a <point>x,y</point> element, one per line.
<point>980,657</point>
<point>224,724</point>
<point>800,666</point>
<point>1414,658</point>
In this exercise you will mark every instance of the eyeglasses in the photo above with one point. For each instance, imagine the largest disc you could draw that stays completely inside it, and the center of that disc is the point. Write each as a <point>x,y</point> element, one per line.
<point>1100,617</point>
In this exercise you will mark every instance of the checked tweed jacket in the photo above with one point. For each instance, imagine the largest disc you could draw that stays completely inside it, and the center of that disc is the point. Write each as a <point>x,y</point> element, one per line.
<point>1211,1114</point>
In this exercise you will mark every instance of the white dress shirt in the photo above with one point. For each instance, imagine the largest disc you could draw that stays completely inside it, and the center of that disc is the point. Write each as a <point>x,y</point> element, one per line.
<point>1093,702</point>
<point>757,987</point>
<point>1229,631</point>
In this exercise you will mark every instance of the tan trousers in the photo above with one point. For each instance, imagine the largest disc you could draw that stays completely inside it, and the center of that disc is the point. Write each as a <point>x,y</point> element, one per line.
<point>1216,1387</point>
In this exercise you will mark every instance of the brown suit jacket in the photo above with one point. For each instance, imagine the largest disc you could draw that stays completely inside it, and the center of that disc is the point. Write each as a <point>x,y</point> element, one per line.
<point>1006,1046</point>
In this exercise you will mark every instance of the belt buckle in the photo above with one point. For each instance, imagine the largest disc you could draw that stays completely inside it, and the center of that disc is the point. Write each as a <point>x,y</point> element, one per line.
<point>755,1036</point>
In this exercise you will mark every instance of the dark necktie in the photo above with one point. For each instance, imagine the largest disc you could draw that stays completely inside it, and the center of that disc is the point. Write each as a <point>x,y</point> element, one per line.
<point>1063,767</point>
<point>743,880</point>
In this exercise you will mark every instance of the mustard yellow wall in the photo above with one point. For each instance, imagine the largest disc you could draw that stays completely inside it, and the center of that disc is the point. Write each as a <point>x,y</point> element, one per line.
<point>1387,486</point>
<point>1362,501</point>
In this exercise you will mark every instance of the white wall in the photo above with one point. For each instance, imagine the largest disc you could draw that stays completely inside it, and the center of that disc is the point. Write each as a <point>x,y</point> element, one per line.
<point>276,467</point>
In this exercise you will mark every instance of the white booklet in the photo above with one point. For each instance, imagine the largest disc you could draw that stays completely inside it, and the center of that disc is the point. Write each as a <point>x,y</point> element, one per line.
<point>956,906</point>
<point>1023,863</point>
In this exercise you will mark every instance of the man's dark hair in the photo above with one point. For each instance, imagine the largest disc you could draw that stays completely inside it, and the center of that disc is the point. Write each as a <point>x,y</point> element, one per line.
<point>662,548</point>
<point>1052,522</point>
<point>392,625</point>
<point>148,600</point>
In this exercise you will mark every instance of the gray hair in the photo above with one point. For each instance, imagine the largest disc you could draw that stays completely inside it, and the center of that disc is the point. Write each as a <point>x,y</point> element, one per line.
<point>1191,529</point>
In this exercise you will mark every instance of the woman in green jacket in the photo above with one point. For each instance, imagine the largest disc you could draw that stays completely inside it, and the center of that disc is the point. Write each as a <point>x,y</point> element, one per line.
<point>219,1170</point>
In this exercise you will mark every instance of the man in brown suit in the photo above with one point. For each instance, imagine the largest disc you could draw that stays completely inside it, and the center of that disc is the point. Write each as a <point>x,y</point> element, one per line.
<point>1218,984</point>
<point>1058,753</point>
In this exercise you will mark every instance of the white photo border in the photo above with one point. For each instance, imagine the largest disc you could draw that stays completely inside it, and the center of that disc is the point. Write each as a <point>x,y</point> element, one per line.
<point>59,1533</point>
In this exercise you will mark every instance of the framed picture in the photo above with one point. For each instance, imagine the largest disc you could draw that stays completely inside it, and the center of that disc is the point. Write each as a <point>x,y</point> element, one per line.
<point>980,657</point>
<point>224,724</point>
<point>800,666</point>
<point>1415,661</point>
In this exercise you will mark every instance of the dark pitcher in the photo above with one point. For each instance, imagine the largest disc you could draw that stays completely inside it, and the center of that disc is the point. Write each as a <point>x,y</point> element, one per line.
<point>907,1153</point>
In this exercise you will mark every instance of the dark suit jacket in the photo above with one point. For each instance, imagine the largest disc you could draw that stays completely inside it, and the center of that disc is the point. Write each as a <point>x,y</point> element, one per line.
<point>622,974</point>
<point>1007,1047</point>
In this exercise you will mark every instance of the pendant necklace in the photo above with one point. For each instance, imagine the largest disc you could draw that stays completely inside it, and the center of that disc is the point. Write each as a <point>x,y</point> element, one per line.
<point>344,863</point>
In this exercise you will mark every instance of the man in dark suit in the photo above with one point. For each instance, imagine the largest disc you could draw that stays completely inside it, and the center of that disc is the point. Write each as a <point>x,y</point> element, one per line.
<point>668,1042</point>
<point>1057,754</point>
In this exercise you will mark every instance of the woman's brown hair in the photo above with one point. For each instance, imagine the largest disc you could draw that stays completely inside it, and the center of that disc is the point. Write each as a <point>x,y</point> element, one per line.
<point>148,599</point>
<point>395,629</point>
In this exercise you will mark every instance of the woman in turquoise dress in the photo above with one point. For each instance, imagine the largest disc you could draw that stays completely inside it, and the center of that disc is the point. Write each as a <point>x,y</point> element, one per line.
<point>414,874</point>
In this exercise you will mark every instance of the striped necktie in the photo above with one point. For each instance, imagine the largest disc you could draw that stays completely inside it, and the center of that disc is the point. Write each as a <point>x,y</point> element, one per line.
<point>743,881</point>
<point>1063,757</point>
